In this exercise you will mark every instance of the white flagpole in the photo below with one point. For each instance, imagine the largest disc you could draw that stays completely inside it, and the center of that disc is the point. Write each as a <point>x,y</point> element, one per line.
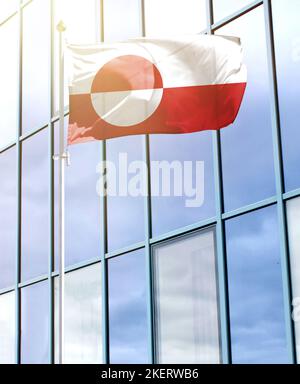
<point>61,205</point>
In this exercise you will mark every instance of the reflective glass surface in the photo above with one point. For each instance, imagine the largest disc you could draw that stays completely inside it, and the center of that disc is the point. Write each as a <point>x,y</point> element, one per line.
<point>186,302</point>
<point>293,214</point>
<point>35,205</point>
<point>287,44</point>
<point>127,309</point>
<point>172,212</point>
<point>36,65</point>
<point>125,209</point>
<point>255,289</point>
<point>7,328</point>
<point>247,153</point>
<point>9,82</point>
<point>7,8</point>
<point>35,324</point>
<point>8,217</point>
<point>83,339</point>
<point>224,8</point>
<point>174,17</point>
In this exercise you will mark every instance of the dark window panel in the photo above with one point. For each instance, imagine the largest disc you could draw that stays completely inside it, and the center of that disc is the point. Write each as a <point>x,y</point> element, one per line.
<point>255,289</point>
<point>169,213</point>
<point>125,214</point>
<point>247,152</point>
<point>293,214</point>
<point>7,328</point>
<point>35,205</point>
<point>36,65</point>
<point>127,309</point>
<point>82,204</point>
<point>83,338</point>
<point>287,44</point>
<point>35,324</point>
<point>186,300</point>
<point>8,217</point>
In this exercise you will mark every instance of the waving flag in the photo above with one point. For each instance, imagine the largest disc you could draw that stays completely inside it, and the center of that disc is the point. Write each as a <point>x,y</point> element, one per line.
<point>155,86</point>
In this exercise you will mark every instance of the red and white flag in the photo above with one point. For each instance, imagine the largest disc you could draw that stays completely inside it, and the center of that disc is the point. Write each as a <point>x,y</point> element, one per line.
<point>150,86</point>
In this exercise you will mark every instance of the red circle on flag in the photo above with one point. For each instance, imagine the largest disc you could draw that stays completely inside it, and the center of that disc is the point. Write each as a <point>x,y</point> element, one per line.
<point>127,90</point>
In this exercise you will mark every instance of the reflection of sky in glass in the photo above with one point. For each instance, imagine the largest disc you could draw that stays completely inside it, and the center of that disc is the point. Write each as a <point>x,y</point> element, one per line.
<point>82,203</point>
<point>127,309</point>
<point>8,217</point>
<point>7,8</point>
<point>7,328</point>
<point>36,60</point>
<point>125,215</point>
<point>287,40</point>
<point>9,81</point>
<point>165,17</point>
<point>35,205</point>
<point>247,152</point>
<point>186,300</point>
<point>35,324</point>
<point>122,19</point>
<point>224,8</point>
<point>255,289</point>
<point>83,340</point>
<point>169,213</point>
<point>293,213</point>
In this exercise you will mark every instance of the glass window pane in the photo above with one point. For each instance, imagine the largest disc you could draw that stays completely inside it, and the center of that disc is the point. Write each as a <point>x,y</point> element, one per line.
<point>175,16</point>
<point>8,217</point>
<point>35,324</point>
<point>7,328</point>
<point>293,213</point>
<point>82,19</point>
<point>125,212</point>
<point>83,239</point>
<point>287,43</point>
<point>197,180</point>
<point>35,205</point>
<point>121,19</point>
<point>127,309</point>
<point>247,153</point>
<point>7,8</point>
<point>9,82</point>
<point>255,289</point>
<point>83,319</point>
<point>224,8</point>
<point>36,65</point>
<point>186,300</point>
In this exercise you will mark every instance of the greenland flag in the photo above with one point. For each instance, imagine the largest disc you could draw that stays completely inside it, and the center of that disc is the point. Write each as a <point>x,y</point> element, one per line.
<point>148,86</point>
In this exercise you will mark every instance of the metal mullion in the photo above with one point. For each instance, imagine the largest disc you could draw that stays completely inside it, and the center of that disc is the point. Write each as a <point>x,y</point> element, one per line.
<point>279,177</point>
<point>51,194</point>
<point>220,234</point>
<point>148,227</point>
<point>249,208</point>
<point>291,194</point>
<point>103,214</point>
<point>19,196</point>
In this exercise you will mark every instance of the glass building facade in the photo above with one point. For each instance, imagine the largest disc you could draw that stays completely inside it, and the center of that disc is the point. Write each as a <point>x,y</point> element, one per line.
<point>149,280</point>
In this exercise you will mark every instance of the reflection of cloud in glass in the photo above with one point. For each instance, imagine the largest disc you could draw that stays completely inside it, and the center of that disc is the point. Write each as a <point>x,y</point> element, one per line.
<point>35,324</point>
<point>255,289</point>
<point>127,309</point>
<point>83,339</point>
<point>8,217</point>
<point>247,153</point>
<point>7,328</point>
<point>293,212</point>
<point>186,300</point>
<point>35,205</point>
<point>287,32</point>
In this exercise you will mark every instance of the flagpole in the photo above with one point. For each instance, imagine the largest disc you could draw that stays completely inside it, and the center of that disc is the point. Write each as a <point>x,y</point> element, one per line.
<point>61,205</point>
